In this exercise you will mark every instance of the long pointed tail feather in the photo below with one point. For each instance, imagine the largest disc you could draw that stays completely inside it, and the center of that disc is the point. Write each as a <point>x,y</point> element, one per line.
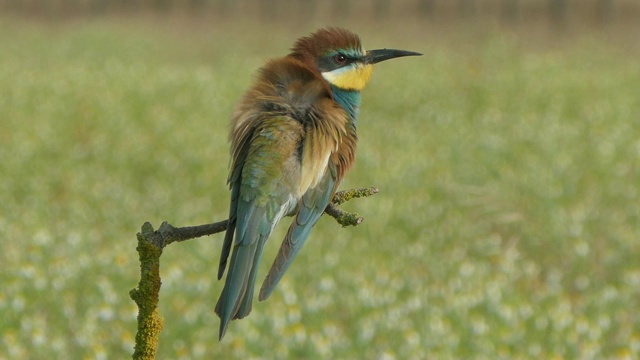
<point>235,285</point>
<point>231,229</point>
<point>235,300</point>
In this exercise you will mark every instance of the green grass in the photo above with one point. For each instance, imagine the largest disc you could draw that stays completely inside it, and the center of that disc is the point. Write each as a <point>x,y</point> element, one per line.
<point>507,225</point>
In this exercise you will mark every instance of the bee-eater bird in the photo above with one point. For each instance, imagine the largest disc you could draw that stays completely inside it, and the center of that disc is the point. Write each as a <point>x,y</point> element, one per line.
<point>293,138</point>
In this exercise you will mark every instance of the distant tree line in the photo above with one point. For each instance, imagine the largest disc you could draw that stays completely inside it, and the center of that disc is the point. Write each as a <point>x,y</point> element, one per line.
<point>509,11</point>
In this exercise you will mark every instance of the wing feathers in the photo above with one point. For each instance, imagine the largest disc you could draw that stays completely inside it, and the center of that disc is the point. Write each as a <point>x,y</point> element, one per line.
<point>291,143</point>
<point>312,207</point>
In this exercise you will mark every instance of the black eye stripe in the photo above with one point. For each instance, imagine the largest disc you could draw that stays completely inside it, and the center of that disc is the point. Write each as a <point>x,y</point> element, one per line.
<point>334,61</point>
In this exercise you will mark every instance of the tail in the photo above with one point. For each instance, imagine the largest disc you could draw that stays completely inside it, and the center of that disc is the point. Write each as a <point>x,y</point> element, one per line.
<point>237,294</point>
<point>235,302</point>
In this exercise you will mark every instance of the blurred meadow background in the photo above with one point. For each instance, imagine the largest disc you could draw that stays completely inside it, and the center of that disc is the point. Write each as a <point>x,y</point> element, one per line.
<point>507,158</point>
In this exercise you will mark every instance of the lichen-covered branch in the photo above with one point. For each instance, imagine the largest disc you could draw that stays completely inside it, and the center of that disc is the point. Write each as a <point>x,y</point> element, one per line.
<point>147,294</point>
<point>151,243</point>
<point>346,195</point>
<point>345,218</point>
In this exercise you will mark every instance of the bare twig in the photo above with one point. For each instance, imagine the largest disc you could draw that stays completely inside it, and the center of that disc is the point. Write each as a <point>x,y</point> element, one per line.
<point>151,243</point>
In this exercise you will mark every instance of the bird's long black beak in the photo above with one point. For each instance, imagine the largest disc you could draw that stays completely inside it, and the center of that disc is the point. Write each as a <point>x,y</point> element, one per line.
<point>375,56</point>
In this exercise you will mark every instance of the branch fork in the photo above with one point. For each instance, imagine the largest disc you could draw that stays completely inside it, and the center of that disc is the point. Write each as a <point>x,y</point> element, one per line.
<point>152,242</point>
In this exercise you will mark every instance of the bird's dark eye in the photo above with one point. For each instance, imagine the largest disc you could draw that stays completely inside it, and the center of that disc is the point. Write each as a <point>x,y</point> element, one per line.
<point>340,59</point>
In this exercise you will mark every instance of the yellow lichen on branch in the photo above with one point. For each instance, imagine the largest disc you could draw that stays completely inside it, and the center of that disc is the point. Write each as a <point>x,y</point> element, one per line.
<point>150,245</point>
<point>147,295</point>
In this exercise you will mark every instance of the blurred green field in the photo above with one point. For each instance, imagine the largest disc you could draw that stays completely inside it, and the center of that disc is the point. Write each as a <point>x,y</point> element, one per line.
<point>507,224</point>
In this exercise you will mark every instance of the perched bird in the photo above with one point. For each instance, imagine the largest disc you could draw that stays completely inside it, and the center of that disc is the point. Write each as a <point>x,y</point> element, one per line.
<point>293,138</point>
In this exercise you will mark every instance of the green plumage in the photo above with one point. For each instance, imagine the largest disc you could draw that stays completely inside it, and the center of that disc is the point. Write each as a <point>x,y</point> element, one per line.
<point>293,138</point>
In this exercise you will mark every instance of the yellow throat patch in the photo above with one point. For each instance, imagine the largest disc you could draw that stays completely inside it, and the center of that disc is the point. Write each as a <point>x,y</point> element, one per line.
<point>351,77</point>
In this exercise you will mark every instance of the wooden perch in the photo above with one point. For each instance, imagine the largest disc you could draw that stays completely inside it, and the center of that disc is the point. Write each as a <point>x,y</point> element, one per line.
<point>151,243</point>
